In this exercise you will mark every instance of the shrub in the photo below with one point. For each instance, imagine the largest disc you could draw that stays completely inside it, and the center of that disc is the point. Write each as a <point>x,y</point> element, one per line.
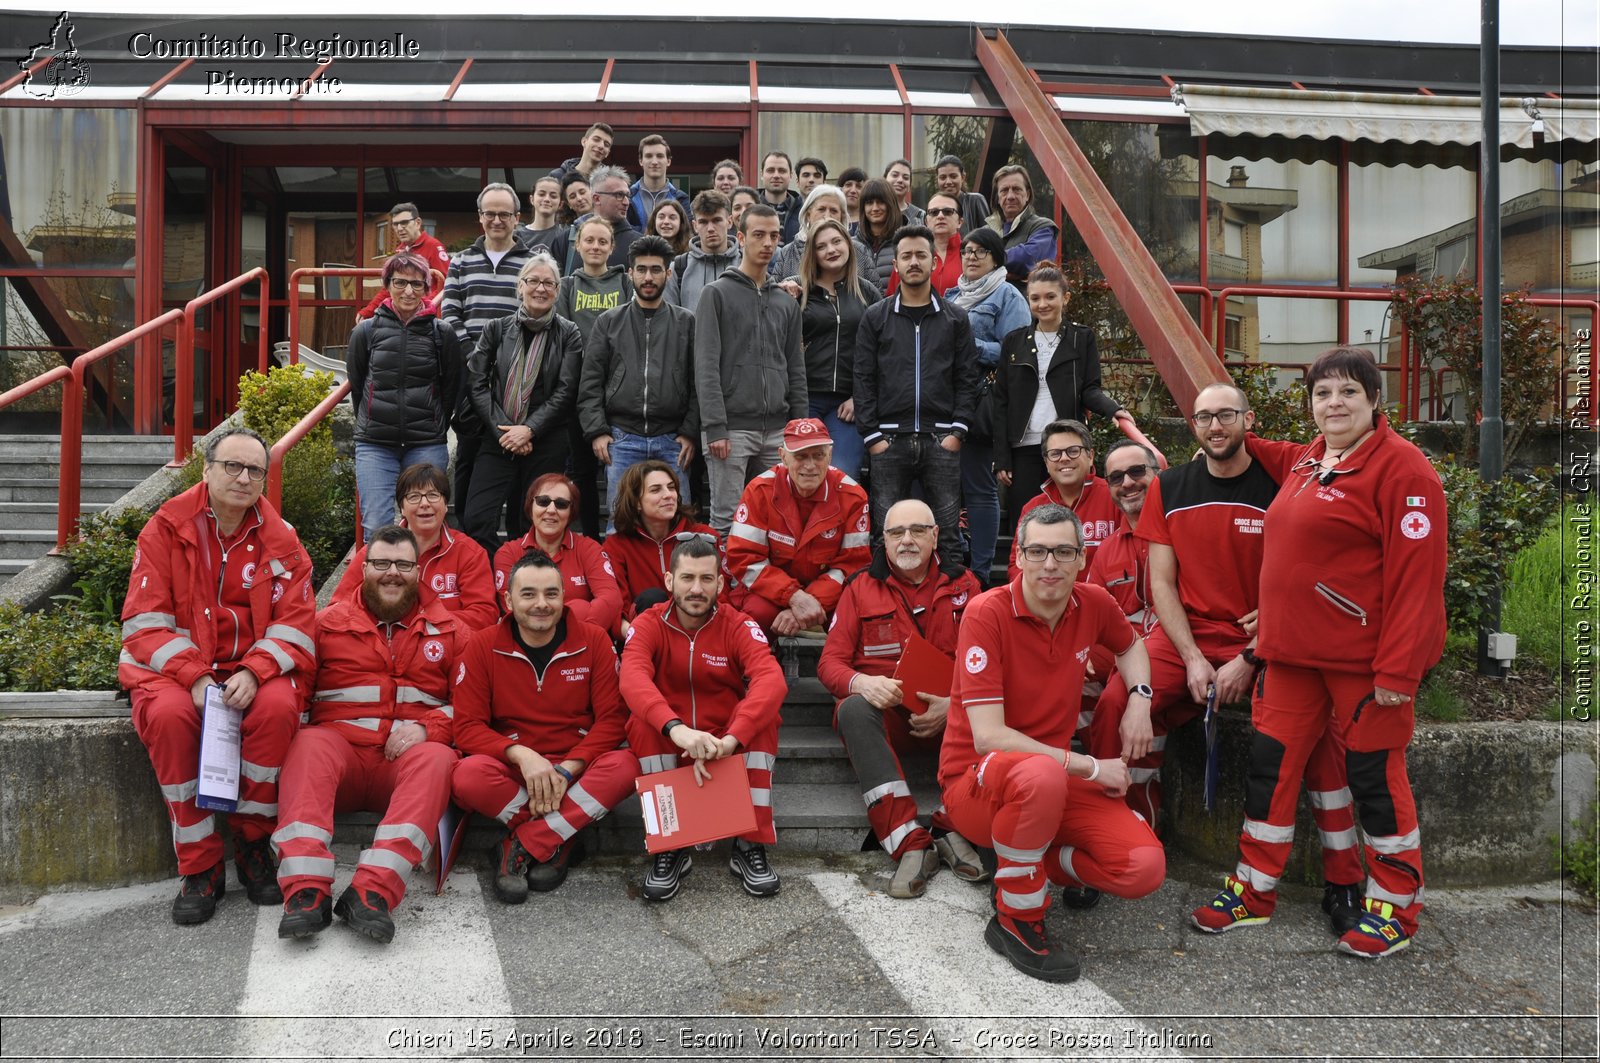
<point>1490,523</point>
<point>101,558</point>
<point>271,403</point>
<point>1579,857</point>
<point>1542,603</point>
<point>63,648</point>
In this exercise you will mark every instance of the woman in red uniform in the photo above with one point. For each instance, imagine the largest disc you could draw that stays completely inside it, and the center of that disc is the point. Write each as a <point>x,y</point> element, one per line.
<point>650,522</point>
<point>1352,615</point>
<point>591,587</point>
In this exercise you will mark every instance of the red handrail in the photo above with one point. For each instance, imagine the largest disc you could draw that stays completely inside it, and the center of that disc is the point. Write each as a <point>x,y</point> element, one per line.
<point>1206,296</point>
<point>294,435</point>
<point>183,383</point>
<point>69,502</point>
<point>321,271</point>
<point>38,383</point>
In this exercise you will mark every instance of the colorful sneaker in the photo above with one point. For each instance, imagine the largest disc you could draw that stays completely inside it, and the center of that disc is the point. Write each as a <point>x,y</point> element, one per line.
<point>748,860</point>
<point>309,911</point>
<point>1343,905</point>
<point>1226,910</point>
<point>198,895</point>
<point>667,870</point>
<point>258,874</point>
<point>367,913</point>
<point>1379,933</point>
<point>511,862</point>
<point>1027,949</point>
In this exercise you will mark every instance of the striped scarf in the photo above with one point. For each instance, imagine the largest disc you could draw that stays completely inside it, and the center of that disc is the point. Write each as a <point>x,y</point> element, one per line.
<point>522,375</point>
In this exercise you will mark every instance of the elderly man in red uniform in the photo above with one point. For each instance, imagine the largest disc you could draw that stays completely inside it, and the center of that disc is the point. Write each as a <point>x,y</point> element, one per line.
<point>800,528</point>
<point>699,679</point>
<point>220,593</point>
<point>378,740</point>
<point>1010,779</point>
<point>904,593</point>
<point>1069,459</point>
<point>540,718</point>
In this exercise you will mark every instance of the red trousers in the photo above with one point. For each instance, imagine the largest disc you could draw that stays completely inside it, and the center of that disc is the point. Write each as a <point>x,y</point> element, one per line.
<point>1046,828</point>
<point>326,774</point>
<point>491,787</point>
<point>1294,710</point>
<point>169,726</point>
<point>872,736</point>
<point>656,753</point>
<point>760,610</point>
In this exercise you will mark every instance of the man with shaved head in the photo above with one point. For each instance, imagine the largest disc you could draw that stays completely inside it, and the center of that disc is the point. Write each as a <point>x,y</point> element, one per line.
<point>909,589</point>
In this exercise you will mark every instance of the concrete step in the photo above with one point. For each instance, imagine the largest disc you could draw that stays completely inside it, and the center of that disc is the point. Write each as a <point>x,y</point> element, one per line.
<point>808,704</point>
<point>35,516</point>
<point>25,545</point>
<point>129,469</point>
<point>48,448</point>
<point>97,489</point>
<point>812,755</point>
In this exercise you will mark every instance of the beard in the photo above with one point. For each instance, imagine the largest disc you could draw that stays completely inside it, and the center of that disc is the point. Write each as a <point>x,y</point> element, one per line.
<point>390,612</point>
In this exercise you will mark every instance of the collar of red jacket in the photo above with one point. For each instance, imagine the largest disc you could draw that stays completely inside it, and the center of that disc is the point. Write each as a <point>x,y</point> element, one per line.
<point>505,639</point>
<point>1381,433</point>
<point>1051,490</point>
<point>351,614</point>
<point>278,540</point>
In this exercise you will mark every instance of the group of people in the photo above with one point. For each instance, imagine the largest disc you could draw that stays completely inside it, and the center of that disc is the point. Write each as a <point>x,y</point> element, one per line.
<point>532,680</point>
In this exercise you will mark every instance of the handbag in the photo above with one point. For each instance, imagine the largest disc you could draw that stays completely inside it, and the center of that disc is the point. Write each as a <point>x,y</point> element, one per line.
<point>981,431</point>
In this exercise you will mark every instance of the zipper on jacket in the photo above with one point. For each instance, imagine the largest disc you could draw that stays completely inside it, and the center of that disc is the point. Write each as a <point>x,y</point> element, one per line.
<point>1341,603</point>
<point>838,334</point>
<point>646,410</point>
<point>916,365</point>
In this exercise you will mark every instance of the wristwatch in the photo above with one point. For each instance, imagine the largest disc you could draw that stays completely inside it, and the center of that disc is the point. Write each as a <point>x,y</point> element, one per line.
<point>666,728</point>
<point>1143,689</point>
<point>1250,657</point>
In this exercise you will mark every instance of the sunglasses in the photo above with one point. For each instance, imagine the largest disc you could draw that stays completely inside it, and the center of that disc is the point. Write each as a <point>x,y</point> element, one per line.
<point>941,212</point>
<point>1136,472</point>
<point>545,501</point>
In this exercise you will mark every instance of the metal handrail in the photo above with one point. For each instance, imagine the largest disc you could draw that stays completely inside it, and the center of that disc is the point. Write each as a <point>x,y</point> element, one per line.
<point>183,382</point>
<point>320,271</point>
<point>294,435</point>
<point>38,383</point>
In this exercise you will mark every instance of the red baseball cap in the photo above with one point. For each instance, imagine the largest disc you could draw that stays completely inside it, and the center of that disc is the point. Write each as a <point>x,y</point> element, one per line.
<point>804,433</point>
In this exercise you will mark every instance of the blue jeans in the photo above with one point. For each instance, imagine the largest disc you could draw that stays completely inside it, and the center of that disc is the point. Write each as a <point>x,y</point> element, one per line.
<point>628,449</point>
<point>847,445</point>
<point>377,469</point>
<point>982,500</point>
<point>918,456</point>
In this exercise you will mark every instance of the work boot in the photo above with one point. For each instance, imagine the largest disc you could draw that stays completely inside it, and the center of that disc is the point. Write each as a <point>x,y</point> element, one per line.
<point>511,862</point>
<point>546,875</point>
<point>1027,949</point>
<point>1081,898</point>
<point>367,913</point>
<point>198,895</point>
<point>258,872</point>
<point>748,860</point>
<point>666,873</point>
<point>960,857</point>
<point>911,877</point>
<point>1343,905</point>
<point>309,911</point>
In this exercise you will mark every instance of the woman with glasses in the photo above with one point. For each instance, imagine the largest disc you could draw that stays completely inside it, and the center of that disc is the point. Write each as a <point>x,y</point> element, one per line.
<point>404,366</point>
<point>455,572</point>
<point>880,217</point>
<point>1049,371</point>
<point>591,589</point>
<point>650,521</point>
<point>833,300</point>
<point>522,378</point>
<point>670,221</point>
<point>995,308</point>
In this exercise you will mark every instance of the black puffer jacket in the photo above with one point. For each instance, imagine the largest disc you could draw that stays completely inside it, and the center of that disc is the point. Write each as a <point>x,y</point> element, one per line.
<point>556,393</point>
<point>403,378</point>
<point>828,327</point>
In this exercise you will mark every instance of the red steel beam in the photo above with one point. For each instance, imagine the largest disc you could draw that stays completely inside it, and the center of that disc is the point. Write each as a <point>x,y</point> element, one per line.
<point>605,81</point>
<point>1176,345</point>
<point>167,78</point>
<point>461,75</point>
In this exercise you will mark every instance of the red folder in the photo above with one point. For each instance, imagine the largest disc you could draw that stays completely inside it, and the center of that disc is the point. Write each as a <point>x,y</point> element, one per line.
<point>923,667</point>
<point>679,813</point>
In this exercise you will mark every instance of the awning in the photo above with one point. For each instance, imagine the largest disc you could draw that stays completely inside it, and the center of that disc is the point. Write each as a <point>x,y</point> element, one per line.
<point>1577,120</point>
<point>1377,116</point>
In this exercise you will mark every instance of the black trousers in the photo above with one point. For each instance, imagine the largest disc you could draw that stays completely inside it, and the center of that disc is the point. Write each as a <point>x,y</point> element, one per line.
<point>501,479</point>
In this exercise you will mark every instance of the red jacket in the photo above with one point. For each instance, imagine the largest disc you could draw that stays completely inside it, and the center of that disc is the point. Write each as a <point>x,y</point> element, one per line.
<point>1352,574</point>
<point>366,683</point>
<point>455,573</point>
<point>169,629</point>
<point>578,716</point>
<point>1096,509</point>
<point>591,584</point>
<point>875,619</point>
<point>1122,566</point>
<point>430,251</point>
<point>772,554</point>
<point>641,563</point>
<point>722,678</point>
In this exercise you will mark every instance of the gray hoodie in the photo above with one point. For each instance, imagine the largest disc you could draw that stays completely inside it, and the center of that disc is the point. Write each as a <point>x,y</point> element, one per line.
<point>694,269</point>
<point>750,370</point>
<point>581,298</point>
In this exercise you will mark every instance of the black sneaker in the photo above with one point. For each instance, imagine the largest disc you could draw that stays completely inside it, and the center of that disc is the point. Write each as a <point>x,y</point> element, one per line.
<point>1029,951</point>
<point>198,895</point>
<point>1343,905</point>
<point>546,875</point>
<point>1081,898</point>
<point>748,860</point>
<point>308,912</point>
<point>258,873</point>
<point>368,914</point>
<point>666,873</point>
<point>510,861</point>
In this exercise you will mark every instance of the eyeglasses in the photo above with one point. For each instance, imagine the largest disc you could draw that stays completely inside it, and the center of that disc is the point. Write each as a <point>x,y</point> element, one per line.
<point>529,282</point>
<point>416,498</point>
<point>497,215</point>
<point>384,564</point>
<point>941,212</point>
<point>1064,555</point>
<point>1132,472</point>
<point>402,221</point>
<point>1064,453</point>
<point>545,501</point>
<point>688,536</point>
<point>972,252</point>
<point>1222,417</point>
<point>620,195</point>
<point>257,473</point>
<point>916,531</point>
<point>406,282</point>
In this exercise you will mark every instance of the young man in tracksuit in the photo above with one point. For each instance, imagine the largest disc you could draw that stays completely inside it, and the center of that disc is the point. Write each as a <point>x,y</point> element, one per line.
<point>700,679</point>
<point>378,740</point>
<point>540,719</point>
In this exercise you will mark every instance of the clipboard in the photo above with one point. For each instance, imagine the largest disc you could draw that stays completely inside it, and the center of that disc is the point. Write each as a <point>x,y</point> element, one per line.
<point>218,771</point>
<point>452,828</point>
<point>923,667</point>
<point>679,813</point>
<point>1213,768</point>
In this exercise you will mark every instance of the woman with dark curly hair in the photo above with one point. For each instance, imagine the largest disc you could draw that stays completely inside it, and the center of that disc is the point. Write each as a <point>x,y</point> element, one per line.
<point>651,520</point>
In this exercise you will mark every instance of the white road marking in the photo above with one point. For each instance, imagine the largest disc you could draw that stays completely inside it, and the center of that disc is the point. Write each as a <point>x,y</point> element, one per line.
<point>933,953</point>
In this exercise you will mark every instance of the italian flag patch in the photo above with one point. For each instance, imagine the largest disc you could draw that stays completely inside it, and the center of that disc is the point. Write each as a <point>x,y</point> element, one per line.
<point>1415,502</point>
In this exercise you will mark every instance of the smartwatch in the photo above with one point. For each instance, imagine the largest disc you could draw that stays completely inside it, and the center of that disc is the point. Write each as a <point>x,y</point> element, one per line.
<point>1250,657</point>
<point>1144,690</point>
<point>666,728</point>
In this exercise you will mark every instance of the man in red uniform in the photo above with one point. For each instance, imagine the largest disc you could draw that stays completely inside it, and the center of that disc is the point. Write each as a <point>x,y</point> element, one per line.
<point>540,718</point>
<point>903,593</point>
<point>799,529</point>
<point>1069,458</point>
<point>378,740</point>
<point>220,593</point>
<point>405,222</point>
<point>1009,779</point>
<point>691,657</point>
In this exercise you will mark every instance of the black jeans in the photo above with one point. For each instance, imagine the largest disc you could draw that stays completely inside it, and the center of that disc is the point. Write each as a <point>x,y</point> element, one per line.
<point>501,479</point>
<point>918,456</point>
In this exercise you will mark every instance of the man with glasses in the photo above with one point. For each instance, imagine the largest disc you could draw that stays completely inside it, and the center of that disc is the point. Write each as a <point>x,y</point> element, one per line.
<point>1051,815</point>
<point>220,593</point>
<point>410,238</point>
<point>1069,459</point>
<point>378,740</point>
<point>950,177</point>
<point>800,529</point>
<point>903,593</point>
<point>608,187</point>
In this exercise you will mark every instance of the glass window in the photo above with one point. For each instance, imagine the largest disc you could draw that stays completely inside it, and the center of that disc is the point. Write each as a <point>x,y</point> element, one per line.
<point>841,140</point>
<point>70,186</point>
<point>1156,192</point>
<point>1289,208</point>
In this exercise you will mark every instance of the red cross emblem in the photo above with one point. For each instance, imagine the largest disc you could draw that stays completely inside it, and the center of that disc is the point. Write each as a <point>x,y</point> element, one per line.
<point>1415,525</point>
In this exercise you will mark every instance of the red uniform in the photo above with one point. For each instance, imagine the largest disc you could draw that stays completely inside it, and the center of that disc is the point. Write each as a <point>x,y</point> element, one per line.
<point>587,576</point>
<point>642,563</point>
<point>780,543</point>
<point>431,251</point>
<point>1095,508</point>
<point>1351,599</point>
<point>877,614</point>
<point>1043,827</point>
<point>571,711</point>
<point>371,679</point>
<point>200,604</point>
<point>1122,566</point>
<point>722,679</point>
<point>455,573</point>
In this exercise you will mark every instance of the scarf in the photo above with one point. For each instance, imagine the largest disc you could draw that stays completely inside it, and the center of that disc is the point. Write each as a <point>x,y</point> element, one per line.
<point>970,293</point>
<point>522,375</point>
